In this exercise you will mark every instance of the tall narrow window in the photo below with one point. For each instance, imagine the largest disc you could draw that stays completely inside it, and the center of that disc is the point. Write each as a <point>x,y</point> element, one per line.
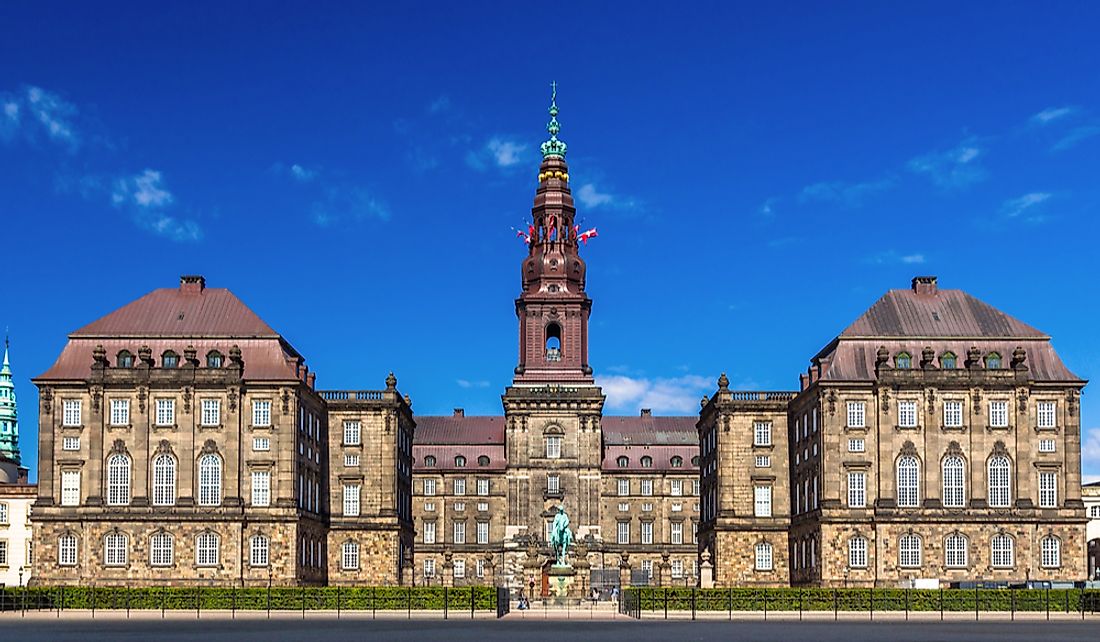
<point>762,433</point>
<point>460,486</point>
<point>622,533</point>
<point>857,415</point>
<point>676,532</point>
<point>164,480</point>
<point>907,414</point>
<point>998,414</point>
<point>956,548</point>
<point>429,532</point>
<point>647,532</point>
<point>647,487</point>
<point>161,549</point>
<point>677,487</point>
<point>903,361</point>
<point>1051,552</point>
<point>118,480</point>
<point>207,549</point>
<point>459,533</point>
<point>66,550</point>
<point>70,412</point>
<point>483,532</point>
<point>120,412</point>
<point>349,558</point>
<point>70,488</point>
<point>553,342</point>
<point>1000,489</point>
<point>259,550</point>
<point>1048,489</point>
<point>553,446</point>
<point>166,412</point>
<point>624,487</point>
<point>857,490</point>
<point>908,481</point>
<point>429,567</point>
<point>351,500</point>
<point>210,480</point>
<point>762,501</point>
<point>954,480</point>
<point>429,487</point>
<point>261,488</point>
<point>1002,551</point>
<point>115,549</point>
<point>763,556</point>
<point>857,552</point>
<point>952,413</point>
<point>1046,414</point>
<point>909,551</point>
<point>211,412</point>
<point>352,432</point>
<point>948,361</point>
<point>261,413</point>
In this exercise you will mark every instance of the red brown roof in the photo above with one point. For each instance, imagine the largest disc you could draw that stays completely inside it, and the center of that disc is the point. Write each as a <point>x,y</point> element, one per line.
<point>459,430</point>
<point>178,312</point>
<point>940,313</point>
<point>647,429</point>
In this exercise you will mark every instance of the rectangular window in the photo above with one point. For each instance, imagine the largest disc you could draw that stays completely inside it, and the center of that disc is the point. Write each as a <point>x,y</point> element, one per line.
<point>3,552</point>
<point>677,507</point>
<point>429,532</point>
<point>647,487</point>
<point>857,552</point>
<point>998,414</point>
<point>351,500</point>
<point>460,506</point>
<point>160,550</point>
<point>622,533</point>
<point>1048,490</point>
<point>677,569</point>
<point>70,412</point>
<point>624,507</point>
<point>429,507</point>
<point>211,412</point>
<point>70,443</point>
<point>261,488</point>
<point>1046,445</point>
<point>624,487</point>
<point>1046,414</point>
<point>677,487</point>
<point>952,413</point>
<point>856,414</point>
<point>857,490</point>
<point>120,412</point>
<point>66,550</point>
<point>166,412</point>
<point>695,483</point>
<point>479,567</point>
<point>647,568</point>
<point>351,460</point>
<point>553,447</point>
<point>352,433</point>
<point>429,568</point>
<point>261,444</point>
<point>762,433</point>
<point>857,445</point>
<point>460,568</point>
<point>460,486</point>
<point>647,532</point>
<point>647,508</point>
<point>70,488</point>
<point>907,414</point>
<point>459,533</point>
<point>483,507</point>
<point>258,555</point>
<point>483,532</point>
<point>676,532</point>
<point>429,487</point>
<point>261,413</point>
<point>483,487</point>
<point>553,483</point>
<point>762,501</point>
<point>763,461</point>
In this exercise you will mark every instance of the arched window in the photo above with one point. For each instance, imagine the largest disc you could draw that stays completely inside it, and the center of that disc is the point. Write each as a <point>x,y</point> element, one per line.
<point>1000,488</point>
<point>954,481</point>
<point>909,551</point>
<point>622,462</point>
<point>210,480</point>
<point>1051,552</point>
<point>553,342</point>
<point>677,462</point>
<point>118,480</point>
<point>955,550</point>
<point>429,461</point>
<point>125,359</point>
<point>908,481</point>
<point>482,460</point>
<point>460,462</point>
<point>763,556</point>
<point>647,462</point>
<point>857,552</point>
<point>349,557</point>
<point>695,460</point>
<point>214,359</point>
<point>259,550</point>
<point>170,359</point>
<point>948,361</point>
<point>66,550</point>
<point>115,549</point>
<point>903,361</point>
<point>164,480</point>
<point>207,549</point>
<point>1002,551</point>
<point>993,361</point>
<point>161,549</point>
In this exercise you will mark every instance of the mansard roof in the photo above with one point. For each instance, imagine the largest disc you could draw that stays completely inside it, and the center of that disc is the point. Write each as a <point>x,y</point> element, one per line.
<point>458,429</point>
<point>649,430</point>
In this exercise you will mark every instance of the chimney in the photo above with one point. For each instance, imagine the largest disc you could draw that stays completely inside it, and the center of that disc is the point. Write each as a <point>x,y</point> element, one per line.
<point>459,412</point>
<point>924,285</point>
<point>311,380</point>
<point>647,412</point>
<point>192,284</point>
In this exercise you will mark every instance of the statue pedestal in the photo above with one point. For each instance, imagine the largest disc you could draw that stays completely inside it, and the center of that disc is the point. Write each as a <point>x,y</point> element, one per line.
<point>563,584</point>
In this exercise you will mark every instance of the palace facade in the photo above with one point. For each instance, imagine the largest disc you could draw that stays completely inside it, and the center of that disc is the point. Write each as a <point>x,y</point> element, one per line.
<point>182,439</point>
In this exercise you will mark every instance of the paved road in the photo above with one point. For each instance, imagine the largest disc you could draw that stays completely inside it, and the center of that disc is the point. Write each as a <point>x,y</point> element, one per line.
<point>510,630</point>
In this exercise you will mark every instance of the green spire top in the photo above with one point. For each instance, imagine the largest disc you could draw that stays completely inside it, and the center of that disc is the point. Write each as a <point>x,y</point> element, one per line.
<point>553,147</point>
<point>9,417</point>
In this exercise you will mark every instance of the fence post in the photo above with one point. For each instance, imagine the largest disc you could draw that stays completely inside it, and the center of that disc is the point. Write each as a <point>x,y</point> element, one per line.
<point>473,602</point>
<point>163,594</point>
<point>976,601</point>
<point>765,604</point>
<point>836,605</point>
<point>666,602</point>
<point>1012,592</point>
<point>729,602</point>
<point>941,604</point>
<point>800,604</point>
<point>198,601</point>
<point>872,602</point>
<point>906,604</point>
<point>303,601</point>
<point>93,601</point>
<point>1066,594</point>
<point>1048,603</point>
<point>337,601</point>
<point>233,597</point>
<point>1080,603</point>
<point>409,601</point>
<point>127,604</point>
<point>693,604</point>
<point>269,597</point>
<point>373,601</point>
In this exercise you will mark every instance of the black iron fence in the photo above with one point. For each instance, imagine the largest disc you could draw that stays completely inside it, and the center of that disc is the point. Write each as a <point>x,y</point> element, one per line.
<point>447,601</point>
<point>759,602</point>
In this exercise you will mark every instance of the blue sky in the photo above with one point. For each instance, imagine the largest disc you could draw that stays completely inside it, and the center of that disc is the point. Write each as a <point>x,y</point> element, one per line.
<point>759,176</point>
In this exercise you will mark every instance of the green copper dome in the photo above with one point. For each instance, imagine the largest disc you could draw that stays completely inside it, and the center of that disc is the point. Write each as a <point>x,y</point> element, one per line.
<point>553,147</point>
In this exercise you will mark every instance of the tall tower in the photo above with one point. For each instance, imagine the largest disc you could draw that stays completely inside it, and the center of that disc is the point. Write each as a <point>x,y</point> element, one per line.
<point>553,308</point>
<point>553,408</point>
<point>9,417</point>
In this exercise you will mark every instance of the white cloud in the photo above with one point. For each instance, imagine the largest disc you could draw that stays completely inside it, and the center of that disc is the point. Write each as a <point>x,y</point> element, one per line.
<point>956,167</point>
<point>302,174</point>
<point>592,198</point>
<point>1076,136</point>
<point>1090,451</point>
<point>895,257</point>
<point>146,199</point>
<point>1051,114</point>
<point>767,208</point>
<point>842,193</point>
<point>1014,207</point>
<point>31,113</point>
<point>143,190</point>
<point>348,204</point>
<point>440,104</point>
<point>466,383</point>
<point>662,395</point>
<point>505,152</point>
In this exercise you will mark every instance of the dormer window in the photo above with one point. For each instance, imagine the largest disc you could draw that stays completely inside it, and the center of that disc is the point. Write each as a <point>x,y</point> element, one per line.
<point>170,360</point>
<point>125,359</point>
<point>460,462</point>
<point>993,361</point>
<point>647,462</point>
<point>429,461</point>
<point>695,460</point>
<point>482,460</point>
<point>948,361</point>
<point>553,342</point>
<point>214,359</point>
<point>622,462</point>
<point>903,361</point>
<point>677,462</point>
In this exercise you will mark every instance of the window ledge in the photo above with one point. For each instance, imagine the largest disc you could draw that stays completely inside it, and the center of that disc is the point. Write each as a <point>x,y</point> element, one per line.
<point>998,428</point>
<point>901,428</point>
<point>953,428</point>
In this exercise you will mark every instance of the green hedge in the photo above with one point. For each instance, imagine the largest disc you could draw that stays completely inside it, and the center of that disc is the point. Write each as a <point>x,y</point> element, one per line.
<point>253,598</point>
<point>862,599</point>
